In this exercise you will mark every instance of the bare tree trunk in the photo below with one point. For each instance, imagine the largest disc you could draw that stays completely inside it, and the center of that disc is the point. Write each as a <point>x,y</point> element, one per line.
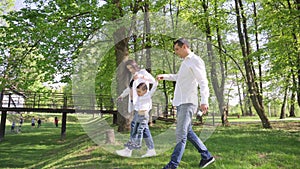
<point>223,72</point>
<point>121,51</point>
<point>253,88</point>
<point>292,108</point>
<point>293,96</point>
<point>218,88</point>
<point>296,41</point>
<point>260,88</point>
<point>298,89</point>
<point>240,95</point>
<point>282,113</point>
<point>248,105</point>
<point>296,86</point>
<point>148,45</point>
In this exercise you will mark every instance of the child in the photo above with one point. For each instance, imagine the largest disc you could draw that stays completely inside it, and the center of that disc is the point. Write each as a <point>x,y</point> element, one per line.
<point>21,121</point>
<point>137,73</point>
<point>13,126</point>
<point>32,122</point>
<point>142,105</point>
<point>56,121</point>
<point>39,123</point>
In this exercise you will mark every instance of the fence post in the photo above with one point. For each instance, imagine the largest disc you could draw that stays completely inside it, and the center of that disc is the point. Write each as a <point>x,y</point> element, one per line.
<point>64,119</point>
<point>3,118</point>
<point>213,117</point>
<point>9,99</point>
<point>157,109</point>
<point>2,125</point>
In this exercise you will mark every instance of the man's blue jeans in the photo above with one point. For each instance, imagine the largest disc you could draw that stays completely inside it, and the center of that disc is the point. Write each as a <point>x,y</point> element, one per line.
<point>185,132</point>
<point>146,132</point>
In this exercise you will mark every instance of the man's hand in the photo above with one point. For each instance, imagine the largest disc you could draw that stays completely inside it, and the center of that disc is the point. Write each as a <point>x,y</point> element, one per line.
<point>160,77</point>
<point>204,108</point>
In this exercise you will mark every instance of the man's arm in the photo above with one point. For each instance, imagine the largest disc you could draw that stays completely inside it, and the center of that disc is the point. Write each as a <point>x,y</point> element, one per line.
<point>170,77</point>
<point>199,72</point>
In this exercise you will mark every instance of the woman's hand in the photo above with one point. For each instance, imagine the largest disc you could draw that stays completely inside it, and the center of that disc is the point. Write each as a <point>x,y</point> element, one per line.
<point>120,98</point>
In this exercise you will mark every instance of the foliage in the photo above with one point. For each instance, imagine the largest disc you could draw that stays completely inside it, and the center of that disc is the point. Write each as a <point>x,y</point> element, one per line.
<point>47,38</point>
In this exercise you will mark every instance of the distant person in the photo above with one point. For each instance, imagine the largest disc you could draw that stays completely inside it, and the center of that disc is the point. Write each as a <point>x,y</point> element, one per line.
<point>21,121</point>
<point>56,121</point>
<point>20,124</point>
<point>13,125</point>
<point>39,123</point>
<point>32,122</point>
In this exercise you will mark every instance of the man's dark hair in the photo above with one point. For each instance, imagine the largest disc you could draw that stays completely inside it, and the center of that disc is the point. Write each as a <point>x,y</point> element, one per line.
<point>142,86</point>
<point>180,42</point>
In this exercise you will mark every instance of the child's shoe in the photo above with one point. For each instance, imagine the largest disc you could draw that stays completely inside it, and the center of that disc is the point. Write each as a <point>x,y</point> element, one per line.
<point>149,153</point>
<point>126,152</point>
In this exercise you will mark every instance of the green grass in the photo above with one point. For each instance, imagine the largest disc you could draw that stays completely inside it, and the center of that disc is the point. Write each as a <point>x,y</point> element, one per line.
<point>240,146</point>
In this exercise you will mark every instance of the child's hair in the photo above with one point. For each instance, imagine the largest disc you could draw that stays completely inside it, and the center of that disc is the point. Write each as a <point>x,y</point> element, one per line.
<point>142,86</point>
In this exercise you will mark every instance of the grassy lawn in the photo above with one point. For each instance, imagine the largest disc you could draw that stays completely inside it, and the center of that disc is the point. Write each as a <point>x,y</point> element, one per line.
<point>240,146</point>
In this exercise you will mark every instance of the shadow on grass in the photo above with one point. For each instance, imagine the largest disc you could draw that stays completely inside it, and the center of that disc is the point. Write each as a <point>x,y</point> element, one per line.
<point>238,146</point>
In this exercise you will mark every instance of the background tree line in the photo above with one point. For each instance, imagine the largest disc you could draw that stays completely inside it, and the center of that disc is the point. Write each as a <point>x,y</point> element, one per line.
<point>250,46</point>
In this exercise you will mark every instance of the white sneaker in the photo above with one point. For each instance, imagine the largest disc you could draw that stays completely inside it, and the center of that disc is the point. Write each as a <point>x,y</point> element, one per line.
<point>126,152</point>
<point>149,153</point>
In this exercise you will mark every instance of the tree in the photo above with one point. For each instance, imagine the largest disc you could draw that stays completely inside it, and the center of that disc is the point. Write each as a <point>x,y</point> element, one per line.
<point>280,27</point>
<point>251,79</point>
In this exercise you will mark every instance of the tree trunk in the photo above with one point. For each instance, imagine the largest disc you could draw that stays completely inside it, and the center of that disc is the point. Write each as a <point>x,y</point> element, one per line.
<point>293,96</point>
<point>282,112</point>
<point>260,88</point>
<point>253,88</point>
<point>298,89</point>
<point>148,45</point>
<point>296,41</point>
<point>218,88</point>
<point>240,95</point>
<point>223,72</point>
<point>121,51</point>
<point>63,125</point>
<point>110,136</point>
<point>292,109</point>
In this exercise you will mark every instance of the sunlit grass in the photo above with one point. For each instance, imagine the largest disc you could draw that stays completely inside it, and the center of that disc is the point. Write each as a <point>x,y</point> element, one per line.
<point>240,146</point>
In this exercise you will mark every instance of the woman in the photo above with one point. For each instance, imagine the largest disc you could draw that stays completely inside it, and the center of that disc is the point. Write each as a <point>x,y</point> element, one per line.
<point>136,73</point>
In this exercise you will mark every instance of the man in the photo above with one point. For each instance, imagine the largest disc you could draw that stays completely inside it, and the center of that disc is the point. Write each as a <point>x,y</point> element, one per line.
<point>191,74</point>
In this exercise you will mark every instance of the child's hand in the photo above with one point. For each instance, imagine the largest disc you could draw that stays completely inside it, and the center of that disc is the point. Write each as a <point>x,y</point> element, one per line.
<point>135,77</point>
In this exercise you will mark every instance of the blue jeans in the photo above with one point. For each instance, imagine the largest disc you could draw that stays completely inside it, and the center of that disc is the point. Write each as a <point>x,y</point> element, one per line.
<point>185,132</point>
<point>145,132</point>
<point>140,126</point>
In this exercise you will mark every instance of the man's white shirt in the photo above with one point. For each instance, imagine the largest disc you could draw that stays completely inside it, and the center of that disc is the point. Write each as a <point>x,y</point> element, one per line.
<point>191,74</point>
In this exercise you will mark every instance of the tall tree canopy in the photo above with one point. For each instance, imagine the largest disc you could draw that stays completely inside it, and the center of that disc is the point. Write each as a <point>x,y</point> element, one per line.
<point>247,44</point>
